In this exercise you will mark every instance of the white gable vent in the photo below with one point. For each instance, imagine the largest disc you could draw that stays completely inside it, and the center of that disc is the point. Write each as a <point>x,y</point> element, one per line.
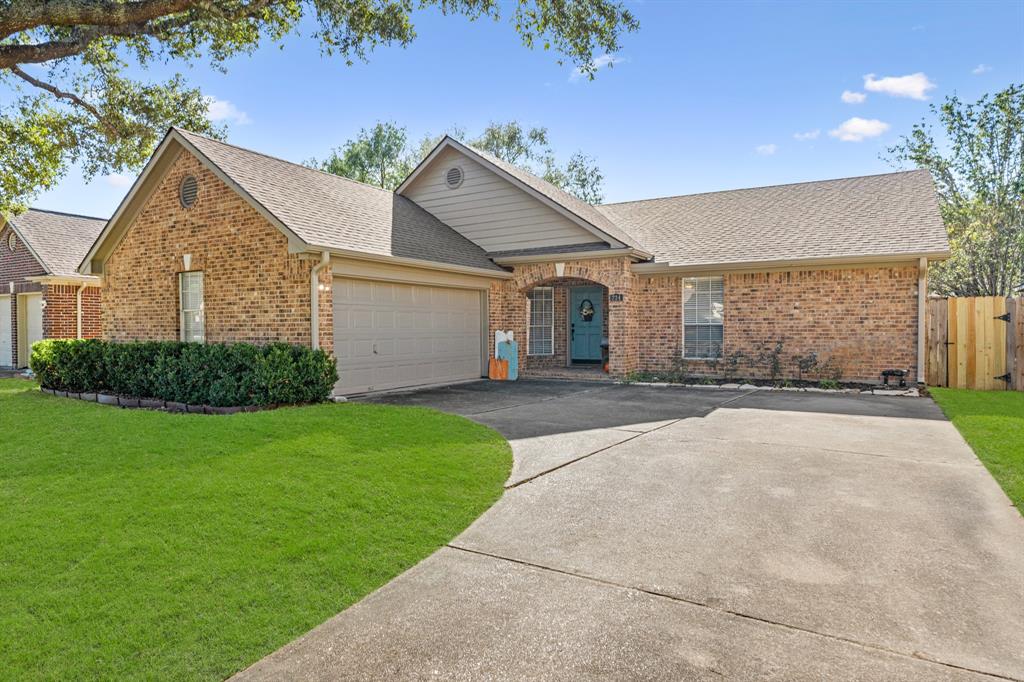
<point>188,191</point>
<point>453,177</point>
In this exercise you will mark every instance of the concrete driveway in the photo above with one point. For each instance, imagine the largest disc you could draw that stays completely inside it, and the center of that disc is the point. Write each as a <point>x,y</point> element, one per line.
<point>666,533</point>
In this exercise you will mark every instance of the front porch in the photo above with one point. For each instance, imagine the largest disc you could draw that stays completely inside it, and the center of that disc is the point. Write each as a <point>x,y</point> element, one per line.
<point>573,320</point>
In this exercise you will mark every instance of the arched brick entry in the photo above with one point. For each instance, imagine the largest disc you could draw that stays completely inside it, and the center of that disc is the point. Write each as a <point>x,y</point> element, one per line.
<point>509,306</point>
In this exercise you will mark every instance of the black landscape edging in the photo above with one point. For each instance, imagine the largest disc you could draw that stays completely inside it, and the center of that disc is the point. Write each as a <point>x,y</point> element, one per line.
<point>154,404</point>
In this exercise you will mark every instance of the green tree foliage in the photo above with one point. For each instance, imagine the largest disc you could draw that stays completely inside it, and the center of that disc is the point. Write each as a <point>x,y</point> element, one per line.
<point>67,63</point>
<point>378,156</point>
<point>978,168</point>
<point>383,156</point>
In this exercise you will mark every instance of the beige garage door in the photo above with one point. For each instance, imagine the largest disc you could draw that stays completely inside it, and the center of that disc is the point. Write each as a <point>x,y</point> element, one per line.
<point>394,335</point>
<point>30,325</point>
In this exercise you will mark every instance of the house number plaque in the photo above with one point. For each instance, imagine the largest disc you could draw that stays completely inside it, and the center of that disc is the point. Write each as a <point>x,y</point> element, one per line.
<point>615,297</point>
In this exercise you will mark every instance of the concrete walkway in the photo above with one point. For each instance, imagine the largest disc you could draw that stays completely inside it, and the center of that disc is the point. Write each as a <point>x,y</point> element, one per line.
<point>662,533</point>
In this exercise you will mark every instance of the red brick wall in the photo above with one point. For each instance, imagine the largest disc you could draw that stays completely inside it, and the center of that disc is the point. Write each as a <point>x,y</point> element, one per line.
<point>60,316</point>
<point>254,290</point>
<point>661,306</point>
<point>863,319</point>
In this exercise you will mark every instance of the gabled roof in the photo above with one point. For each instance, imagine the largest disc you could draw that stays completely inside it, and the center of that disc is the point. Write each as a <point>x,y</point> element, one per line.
<point>59,241</point>
<point>885,217</point>
<point>888,215</point>
<point>328,212</point>
<point>583,213</point>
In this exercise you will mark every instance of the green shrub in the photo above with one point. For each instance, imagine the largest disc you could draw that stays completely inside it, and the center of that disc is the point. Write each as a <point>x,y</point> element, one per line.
<point>42,363</point>
<point>199,374</point>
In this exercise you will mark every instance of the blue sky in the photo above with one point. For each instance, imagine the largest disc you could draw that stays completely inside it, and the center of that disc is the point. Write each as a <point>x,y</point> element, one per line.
<point>705,96</point>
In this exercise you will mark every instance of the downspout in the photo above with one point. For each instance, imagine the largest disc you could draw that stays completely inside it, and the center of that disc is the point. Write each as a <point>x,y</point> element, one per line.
<point>922,297</point>
<point>314,299</point>
<point>78,306</point>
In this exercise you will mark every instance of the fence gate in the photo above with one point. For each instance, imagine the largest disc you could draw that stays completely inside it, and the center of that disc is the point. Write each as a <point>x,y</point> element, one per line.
<point>971,342</point>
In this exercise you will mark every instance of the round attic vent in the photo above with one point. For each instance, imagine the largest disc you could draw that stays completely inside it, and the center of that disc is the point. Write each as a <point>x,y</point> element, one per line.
<point>188,192</point>
<point>453,178</point>
<point>12,241</point>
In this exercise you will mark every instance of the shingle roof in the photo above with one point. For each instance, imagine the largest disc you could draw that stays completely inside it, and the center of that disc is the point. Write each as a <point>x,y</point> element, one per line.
<point>332,212</point>
<point>60,240</point>
<point>567,201</point>
<point>877,215</point>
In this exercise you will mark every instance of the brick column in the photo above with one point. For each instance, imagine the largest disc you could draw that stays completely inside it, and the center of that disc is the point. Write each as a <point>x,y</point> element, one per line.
<point>508,309</point>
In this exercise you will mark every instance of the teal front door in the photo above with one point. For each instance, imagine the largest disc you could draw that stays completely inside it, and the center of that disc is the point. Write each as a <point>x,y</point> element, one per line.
<point>586,323</point>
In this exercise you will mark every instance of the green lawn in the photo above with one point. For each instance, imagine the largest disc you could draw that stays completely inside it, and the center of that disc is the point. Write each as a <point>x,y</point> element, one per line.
<point>139,544</point>
<point>993,423</point>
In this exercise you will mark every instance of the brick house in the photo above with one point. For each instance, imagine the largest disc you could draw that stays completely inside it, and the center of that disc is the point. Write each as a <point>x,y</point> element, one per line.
<point>42,295</point>
<point>218,243</point>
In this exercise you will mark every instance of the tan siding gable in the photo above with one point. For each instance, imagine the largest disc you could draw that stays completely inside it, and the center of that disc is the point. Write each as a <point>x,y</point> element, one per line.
<point>489,210</point>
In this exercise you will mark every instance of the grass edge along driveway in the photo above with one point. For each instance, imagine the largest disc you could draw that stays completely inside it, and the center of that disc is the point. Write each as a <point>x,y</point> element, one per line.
<point>992,423</point>
<point>139,544</point>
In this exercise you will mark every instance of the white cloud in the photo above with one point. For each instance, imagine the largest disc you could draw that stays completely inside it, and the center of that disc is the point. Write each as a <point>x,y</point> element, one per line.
<point>915,86</point>
<point>119,180</point>
<point>223,110</point>
<point>857,129</point>
<point>766,149</point>
<point>809,135</point>
<point>980,69</point>
<point>599,62</point>
<point>851,97</point>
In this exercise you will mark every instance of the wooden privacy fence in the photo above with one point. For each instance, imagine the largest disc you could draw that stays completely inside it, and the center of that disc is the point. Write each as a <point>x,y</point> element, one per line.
<point>975,342</point>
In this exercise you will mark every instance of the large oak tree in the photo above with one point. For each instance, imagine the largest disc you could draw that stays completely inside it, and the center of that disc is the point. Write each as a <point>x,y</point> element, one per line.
<point>67,63</point>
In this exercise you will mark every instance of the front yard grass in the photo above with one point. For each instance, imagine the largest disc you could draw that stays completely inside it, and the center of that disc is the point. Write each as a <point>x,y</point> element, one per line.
<point>138,544</point>
<point>992,422</point>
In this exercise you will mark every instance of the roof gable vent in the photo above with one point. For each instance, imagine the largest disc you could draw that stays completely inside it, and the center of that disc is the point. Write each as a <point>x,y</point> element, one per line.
<point>188,192</point>
<point>453,177</point>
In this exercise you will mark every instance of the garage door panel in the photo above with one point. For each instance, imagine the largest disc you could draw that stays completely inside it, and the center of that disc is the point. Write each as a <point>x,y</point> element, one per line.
<point>390,335</point>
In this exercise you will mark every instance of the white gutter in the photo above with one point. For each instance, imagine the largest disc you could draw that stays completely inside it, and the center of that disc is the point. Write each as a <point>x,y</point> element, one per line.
<point>78,306</point>
<point>759,266</point>
<point>314,299</point>
<point>922,295</point>
<point>419,263</point>
<point>569,256</point>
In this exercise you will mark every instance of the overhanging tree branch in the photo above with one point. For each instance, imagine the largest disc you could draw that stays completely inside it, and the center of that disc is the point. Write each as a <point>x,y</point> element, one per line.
<point>24,15</point>
<point>64,95</point>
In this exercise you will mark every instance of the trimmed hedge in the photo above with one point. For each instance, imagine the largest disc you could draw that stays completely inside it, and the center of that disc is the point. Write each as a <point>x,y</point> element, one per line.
<point>216,374</point>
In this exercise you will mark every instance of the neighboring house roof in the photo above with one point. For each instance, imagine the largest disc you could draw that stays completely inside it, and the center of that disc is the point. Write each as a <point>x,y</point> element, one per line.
<point>879,215</point>
<point>59,241</point>
<point>333,212</point>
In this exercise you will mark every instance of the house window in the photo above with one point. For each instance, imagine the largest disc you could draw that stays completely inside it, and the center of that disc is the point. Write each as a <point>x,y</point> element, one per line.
<point>702,317</point>
<point>542,322</point>
<point>193,321</point>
